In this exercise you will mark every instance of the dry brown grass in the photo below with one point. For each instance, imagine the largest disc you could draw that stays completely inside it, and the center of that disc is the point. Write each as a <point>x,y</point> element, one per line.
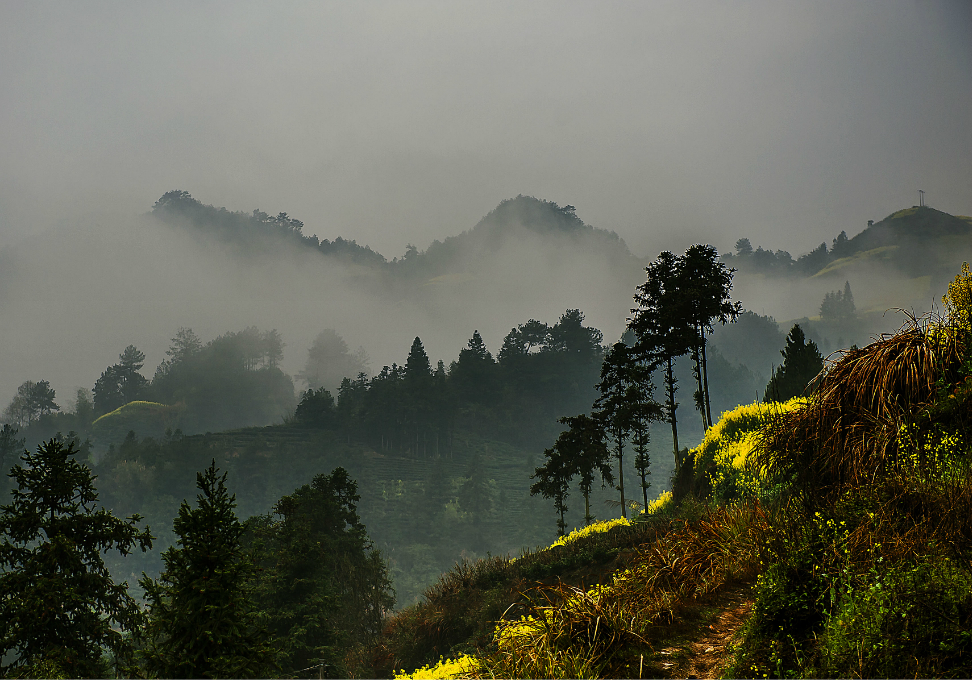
<point>864,408</point>
<point>599,631</point>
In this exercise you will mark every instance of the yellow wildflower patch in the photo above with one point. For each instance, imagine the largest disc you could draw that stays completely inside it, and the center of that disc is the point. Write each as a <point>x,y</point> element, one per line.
<point>463,666</point>
<point>730,441</point>
<point>590,529</point>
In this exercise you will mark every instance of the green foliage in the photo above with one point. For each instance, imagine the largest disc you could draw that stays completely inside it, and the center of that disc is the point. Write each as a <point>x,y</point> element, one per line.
<point>867,562</point>
<point>60,610</point>
<point>411,411</point>
<point>32,401</point>
<point>316,408</point>
<point>580,451</point>
<point>231,381</point>
<point>202,621</point>
<point>802,362</point>
<point>322,586</point>
<point>121,383</point>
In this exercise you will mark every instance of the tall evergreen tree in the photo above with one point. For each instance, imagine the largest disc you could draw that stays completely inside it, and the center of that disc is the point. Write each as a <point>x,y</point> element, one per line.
<point>642,411</point>
<point>613,408</point>
<point>131,382</point>
<point>705,283</point>
<point>58,604</point>
<point>202,620</point>
<point>418,397</point>
<point>583,446</point>
<point>626,406</point>
<point>185,345</point>
<point>553,481</point>
<point>474,373</point>
<point>662,328</point>
<point>323,586</point>
<point>120,383</point>
<point>838,305</point>
<point>802,362</point>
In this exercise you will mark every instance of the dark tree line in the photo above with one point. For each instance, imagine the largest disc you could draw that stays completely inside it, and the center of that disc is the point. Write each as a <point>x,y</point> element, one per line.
<point>781,263</point>
<point>413,409</point>
<point>681,299</point>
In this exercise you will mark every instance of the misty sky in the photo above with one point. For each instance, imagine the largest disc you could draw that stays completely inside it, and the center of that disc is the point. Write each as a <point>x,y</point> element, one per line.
<point>395,123</point>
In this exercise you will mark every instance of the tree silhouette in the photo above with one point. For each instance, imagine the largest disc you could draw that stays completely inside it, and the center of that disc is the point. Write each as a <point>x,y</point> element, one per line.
<point>58,603</point>
<point>474,372</point>
<point>120,383</point>
<point>33,400</point>
<point>662,329</point>
<point>322,585</point>
<point>202,621</point>
<point>802,362</point>
<point>553,481</point>
<point>184,345</point>
<point>418,397</point>
<point>838,305</point>
<point>613,408</point>
<point>316,408</point>
<point>705,283</point>
<point>583,445</point>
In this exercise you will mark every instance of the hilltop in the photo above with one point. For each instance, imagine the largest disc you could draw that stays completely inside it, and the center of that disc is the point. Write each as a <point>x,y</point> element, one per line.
<point>913,242</point>
<point>513,218</point>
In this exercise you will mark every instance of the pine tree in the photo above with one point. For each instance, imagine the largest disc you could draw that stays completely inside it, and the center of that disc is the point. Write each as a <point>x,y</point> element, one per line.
<point>613,409</point>
<point>59,608</point>
<point>318,585</point>
<point>625,407</point>
<point>802,362</point>
<point>202,621</point>
<point>553,481</point>
<point>662,329</point>
<point>583,446</point>
<point>704,284</point>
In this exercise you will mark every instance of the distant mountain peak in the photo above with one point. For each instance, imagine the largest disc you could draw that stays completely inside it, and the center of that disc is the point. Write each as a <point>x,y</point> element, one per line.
<point>535,214</point>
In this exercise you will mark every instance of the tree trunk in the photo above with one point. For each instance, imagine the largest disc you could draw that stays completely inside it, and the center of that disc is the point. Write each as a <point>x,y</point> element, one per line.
<point>705,383</point>
<point>670,385</point>
<point>697,358</point>
<point>624,506</point>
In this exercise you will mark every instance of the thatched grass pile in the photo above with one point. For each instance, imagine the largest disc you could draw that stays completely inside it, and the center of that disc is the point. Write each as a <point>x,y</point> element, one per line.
<point>870,413</point>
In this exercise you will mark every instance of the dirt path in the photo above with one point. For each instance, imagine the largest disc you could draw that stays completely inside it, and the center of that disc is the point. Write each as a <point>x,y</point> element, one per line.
<point>706,657</point>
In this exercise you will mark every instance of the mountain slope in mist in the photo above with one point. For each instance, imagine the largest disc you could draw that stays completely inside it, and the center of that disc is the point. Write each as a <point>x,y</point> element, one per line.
<point>74,297</point>
<point>901,262</point>
<point>454,259</point>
